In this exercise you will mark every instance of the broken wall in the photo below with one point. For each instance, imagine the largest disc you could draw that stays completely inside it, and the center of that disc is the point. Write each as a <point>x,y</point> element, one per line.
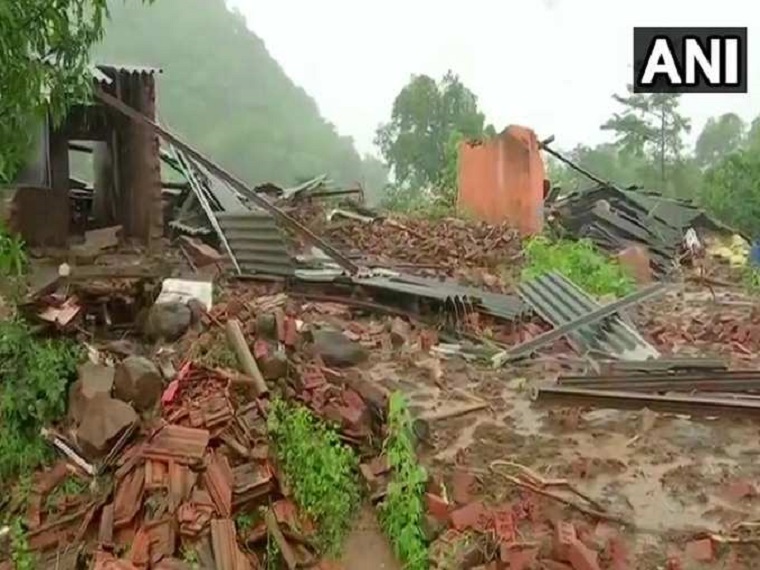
<point>502,179</point>
<point>137,160</point>
<point>40,215</point>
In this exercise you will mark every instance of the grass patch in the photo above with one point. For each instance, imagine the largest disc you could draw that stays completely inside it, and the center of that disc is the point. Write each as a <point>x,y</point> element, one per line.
<point>580,262</point>
<point>34,376</point>
<point>13,260</point>
<point>403,510</point>
<point>22,557</point>
<point>320,469</point>
<point>750,277</point>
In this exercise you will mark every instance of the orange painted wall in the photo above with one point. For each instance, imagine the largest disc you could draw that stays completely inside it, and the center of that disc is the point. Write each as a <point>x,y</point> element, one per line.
<point>502,179</point>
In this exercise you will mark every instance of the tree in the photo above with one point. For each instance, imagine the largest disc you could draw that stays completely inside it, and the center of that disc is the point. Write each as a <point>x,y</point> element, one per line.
<point>752,139</point>
<point>427,116</point>
<point>43,66</point>
<point>650,126</point>
<point>720,137</point>
<point>731,191</point>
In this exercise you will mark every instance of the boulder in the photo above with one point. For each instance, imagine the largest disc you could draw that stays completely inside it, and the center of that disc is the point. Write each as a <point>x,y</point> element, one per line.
<point>104,419</point>
<point>168,321</point>
<point>138,381</point>
<point>337,350</point>
<point>266,326</point>
<point>94,380</point>
<point>273,365</point>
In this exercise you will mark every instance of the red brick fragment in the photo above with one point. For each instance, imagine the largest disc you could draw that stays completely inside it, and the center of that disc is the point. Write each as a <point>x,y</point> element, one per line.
<point>700,550</point>
<point>437,507</point>
<point>739,489</point>
<point>468,516</point>
<point>261,349</point>
<point>581,557</point>
<point>504,527</point>
<point>619,558</point>
<point>564,537</point>
<point>290,337</point>
<point>201,253</point>
<point>462,483</point>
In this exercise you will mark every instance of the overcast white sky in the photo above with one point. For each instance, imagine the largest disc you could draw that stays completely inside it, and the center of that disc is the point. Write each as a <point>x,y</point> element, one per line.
<point>548,64</point>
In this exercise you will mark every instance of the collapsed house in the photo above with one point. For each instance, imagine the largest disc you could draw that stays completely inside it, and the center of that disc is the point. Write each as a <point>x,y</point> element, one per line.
<point>127,182</point>
<point>614,218</point>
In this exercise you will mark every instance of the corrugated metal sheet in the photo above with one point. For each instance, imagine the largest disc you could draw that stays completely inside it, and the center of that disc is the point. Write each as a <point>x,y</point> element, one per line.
<point>110,68</point>
<point>257,242</point>
<point>559,301</point>
<point>507,307</point>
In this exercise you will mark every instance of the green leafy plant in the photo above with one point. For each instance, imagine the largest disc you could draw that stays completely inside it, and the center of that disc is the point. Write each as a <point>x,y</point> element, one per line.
<point>34,375</point>
<point>13,258</point>
<point>319,468</point>
<point>751,279</point>
<point>403,510</point>
<point>580,262</point>
<point>23,558</point>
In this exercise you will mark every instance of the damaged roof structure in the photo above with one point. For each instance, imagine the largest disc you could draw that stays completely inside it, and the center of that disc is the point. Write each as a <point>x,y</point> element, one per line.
<point>128,191</point>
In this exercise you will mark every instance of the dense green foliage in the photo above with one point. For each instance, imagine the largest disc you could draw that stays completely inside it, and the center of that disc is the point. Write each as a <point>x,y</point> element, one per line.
<point>403,510</point>
<point>319,468</point>
<point>731,190</point>
<point>427,121</point>
<point>580,262</point>
<point>222,91</point>
<point>34,375</point>
<point>722,174</point>
<point>43,65</point>
<point>13,258</point>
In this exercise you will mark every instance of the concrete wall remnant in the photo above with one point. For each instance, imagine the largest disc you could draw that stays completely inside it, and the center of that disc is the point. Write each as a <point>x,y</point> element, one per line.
<point>502,179</point>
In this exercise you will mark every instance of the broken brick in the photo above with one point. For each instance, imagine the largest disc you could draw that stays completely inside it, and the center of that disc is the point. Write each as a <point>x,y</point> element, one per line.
<point>290,336</point>
<point>564,537</point>
<point>700,550</point>
<point>739,489</point>
<point>437,507</point>
<point>468,516</point>
<point>202,254</point>
<point>581,557</point>
<point>462,483</point>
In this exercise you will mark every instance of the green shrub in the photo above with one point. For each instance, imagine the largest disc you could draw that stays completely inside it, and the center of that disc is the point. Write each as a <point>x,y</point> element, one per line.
<point>34,375</point>
<point>580,262</point>
<point>403,510</point>
<point>320,469</point>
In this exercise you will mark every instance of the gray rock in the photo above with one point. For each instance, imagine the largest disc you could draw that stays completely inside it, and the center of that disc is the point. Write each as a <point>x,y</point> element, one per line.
<point>103,421</point>
<point>274,365</point>
<point>138,381</point>
<point>266,326</point>
<point>94,380</point>
<point>168,321</point>
<point>337,350</point>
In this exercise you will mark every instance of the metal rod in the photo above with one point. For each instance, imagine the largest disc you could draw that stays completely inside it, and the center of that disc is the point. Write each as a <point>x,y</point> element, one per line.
<point>544,145</point>
<point>261,202</point>
<point>589,318</point>
<point>632,401</point>
<point>205,206</point>
<point>707,376</point>
<point>704,385</point>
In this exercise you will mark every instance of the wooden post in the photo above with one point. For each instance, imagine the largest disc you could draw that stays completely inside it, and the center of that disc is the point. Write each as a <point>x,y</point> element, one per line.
<point>244,356</point>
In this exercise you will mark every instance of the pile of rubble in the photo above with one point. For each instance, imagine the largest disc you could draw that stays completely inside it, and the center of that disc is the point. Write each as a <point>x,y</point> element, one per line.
<point>149,488</point>
<point>448,245</point>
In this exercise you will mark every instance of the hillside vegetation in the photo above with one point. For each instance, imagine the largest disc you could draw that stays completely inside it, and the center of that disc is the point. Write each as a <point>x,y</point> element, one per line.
<point>225,94</point>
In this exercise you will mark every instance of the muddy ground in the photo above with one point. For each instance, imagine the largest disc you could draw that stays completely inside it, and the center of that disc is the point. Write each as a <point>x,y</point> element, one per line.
<point>673,477</point>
